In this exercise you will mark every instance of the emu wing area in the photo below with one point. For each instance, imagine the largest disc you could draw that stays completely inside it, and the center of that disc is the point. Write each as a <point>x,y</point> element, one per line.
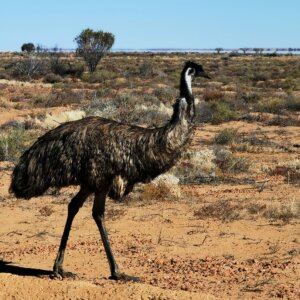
<point>88,151</point>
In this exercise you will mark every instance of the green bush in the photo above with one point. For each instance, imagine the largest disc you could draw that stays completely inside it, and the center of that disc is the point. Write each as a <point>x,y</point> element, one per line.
<point>271,105</point>
<point>226,136</point>
<point>13,143</point>
<point>221,112</point>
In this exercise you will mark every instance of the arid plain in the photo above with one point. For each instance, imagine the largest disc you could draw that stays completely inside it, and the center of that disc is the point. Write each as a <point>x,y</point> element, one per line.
<point>224,223</point>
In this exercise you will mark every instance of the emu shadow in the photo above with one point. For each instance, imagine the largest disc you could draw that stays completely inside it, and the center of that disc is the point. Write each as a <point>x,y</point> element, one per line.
<point>8,267</point>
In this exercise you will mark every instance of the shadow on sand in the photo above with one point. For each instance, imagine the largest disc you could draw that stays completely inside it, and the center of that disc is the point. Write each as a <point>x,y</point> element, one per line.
<point>8,267</point>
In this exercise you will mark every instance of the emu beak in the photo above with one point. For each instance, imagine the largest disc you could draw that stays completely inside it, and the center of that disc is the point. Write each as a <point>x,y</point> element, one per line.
<point>203,74</point>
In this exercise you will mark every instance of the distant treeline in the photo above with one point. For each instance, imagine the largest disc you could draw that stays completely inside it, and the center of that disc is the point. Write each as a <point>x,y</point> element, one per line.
<point>200,50</point>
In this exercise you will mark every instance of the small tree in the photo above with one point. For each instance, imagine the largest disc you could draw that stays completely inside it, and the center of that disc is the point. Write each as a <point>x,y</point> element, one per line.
<point>219,49</point>
<point>28,47</point>
<point>93,45</point>
<point>258,50</point>
<point>244,50</point>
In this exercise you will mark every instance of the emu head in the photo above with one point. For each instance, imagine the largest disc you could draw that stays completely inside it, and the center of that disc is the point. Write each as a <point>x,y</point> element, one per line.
<point>190,70</point>
<point>194,70</point>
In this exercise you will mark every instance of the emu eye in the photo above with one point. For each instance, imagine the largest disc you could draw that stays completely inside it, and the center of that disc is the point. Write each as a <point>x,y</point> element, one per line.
<point>191,71</point>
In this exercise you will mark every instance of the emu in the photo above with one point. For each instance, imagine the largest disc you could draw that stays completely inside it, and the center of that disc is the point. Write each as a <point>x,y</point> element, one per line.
<point>105,158</point>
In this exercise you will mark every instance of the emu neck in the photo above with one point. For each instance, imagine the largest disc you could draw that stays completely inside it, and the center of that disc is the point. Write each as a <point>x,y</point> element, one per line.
<point>186,86</point>
<point>180,127</point>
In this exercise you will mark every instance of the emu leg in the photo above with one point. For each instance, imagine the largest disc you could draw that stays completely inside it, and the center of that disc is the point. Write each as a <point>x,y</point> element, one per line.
<point>98,215</point>
<point>73,208</point>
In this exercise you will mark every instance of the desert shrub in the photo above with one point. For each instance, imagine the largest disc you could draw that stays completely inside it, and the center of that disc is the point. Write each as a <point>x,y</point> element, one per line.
<point>146,69</point>
<point>292,84</point>
<point>12,143</point>
<point>198,166</point>
<point>5,75</point>
<point>271,105</point>
<point>64,68</point>
<point>61,97</point>
<point>52,78</point>
<point>58,85</point>
<point>166,94</point>
<point>212,95</point>
<point>292,102</point>
<point>290,171</point>
<point>29,68</point>
<point>250,97</point>
<point>217,112</point>
<point>98,76</point>
<point>153,115</point>
<point>226,136</point>
<point>282,211</point>
<point>127,108</point>
<point>226,161</point>
<point>260,77</point>
<point>48,121</point>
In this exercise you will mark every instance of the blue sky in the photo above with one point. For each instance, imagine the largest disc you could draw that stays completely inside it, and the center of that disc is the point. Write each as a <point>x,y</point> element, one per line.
<point>153,23</point>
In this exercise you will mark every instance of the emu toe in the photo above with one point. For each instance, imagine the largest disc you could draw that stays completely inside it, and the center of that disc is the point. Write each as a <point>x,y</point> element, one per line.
<point>124,277</point>
<point>59,273</point>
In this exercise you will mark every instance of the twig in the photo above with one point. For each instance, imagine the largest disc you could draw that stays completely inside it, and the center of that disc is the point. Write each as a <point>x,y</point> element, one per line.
<point>256,286</point>
<point>198,245</point>
<point>14,232</point>
<point>159,237</point>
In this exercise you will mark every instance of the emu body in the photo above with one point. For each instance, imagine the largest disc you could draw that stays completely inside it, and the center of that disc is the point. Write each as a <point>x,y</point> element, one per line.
<point>105,158</point>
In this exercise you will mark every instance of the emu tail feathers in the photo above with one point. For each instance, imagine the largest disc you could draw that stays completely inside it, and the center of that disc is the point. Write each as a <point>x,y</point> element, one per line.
<point>22,184</point>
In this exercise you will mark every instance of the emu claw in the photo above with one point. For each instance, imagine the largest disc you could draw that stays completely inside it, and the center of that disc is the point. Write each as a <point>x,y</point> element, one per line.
<point>124,277</point>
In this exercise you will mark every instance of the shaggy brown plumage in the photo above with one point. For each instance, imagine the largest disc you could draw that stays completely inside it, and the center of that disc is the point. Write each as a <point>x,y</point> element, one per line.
<point>106,158</point>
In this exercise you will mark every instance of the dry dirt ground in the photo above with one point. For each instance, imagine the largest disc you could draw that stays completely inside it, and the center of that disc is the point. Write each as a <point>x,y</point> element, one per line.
<point>178,254</point>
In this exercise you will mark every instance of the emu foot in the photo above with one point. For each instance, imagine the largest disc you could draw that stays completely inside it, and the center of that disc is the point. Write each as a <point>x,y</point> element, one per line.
<point>59,273</point>
<point>124,277</point>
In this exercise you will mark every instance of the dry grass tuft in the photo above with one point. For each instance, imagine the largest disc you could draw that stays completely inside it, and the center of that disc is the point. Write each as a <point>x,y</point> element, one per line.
<point>282,211</point>
<point>164,187</point>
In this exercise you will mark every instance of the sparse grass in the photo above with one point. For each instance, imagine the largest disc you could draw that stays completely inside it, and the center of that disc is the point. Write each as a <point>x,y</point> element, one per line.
<point>221,210</point>
<point>282,211</point>
<point>228,211</point>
